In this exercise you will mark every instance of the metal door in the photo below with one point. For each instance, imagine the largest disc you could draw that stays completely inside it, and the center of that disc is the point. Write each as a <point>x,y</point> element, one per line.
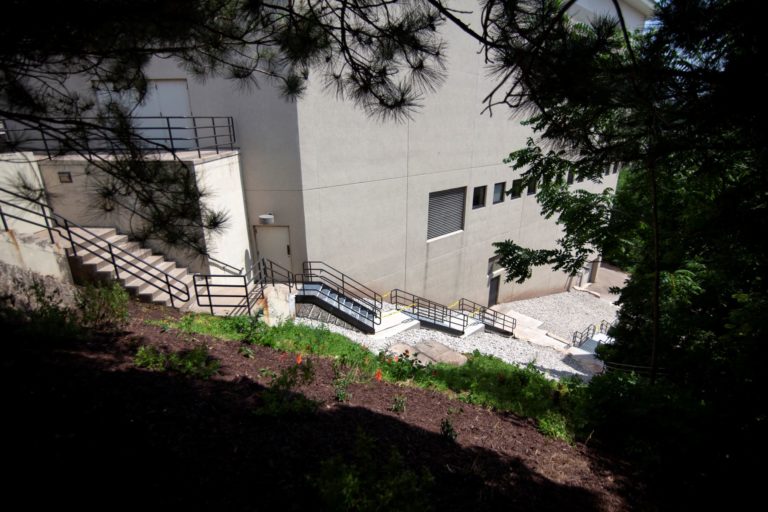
<point>274,243</point>
<point>493,292</point>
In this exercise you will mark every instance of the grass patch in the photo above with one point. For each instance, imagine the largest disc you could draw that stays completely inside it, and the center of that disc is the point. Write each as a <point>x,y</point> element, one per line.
<point>484,380</point>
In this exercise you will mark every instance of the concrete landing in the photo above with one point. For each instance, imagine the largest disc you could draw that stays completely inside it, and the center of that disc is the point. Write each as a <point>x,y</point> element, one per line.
<point>392,324</point>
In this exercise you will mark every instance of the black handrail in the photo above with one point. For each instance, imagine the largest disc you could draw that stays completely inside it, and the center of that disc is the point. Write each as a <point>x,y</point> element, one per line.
<point>271,272</point>
<point>579,338</point>
<point>489,317</point>
<point>347,285</point>
<point>223,266</point>
<point>429,311</point>
<point>55,223</point>
<point>169,133</point>
<point>341,292</point>
<point>205,282</point>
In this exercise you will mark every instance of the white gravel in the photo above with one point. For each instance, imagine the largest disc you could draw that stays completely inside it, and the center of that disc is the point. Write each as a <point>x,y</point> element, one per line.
<point>564,313</point>
<point>511,350</point>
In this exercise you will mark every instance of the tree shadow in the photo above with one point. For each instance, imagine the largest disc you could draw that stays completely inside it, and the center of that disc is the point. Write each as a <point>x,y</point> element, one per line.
<point>88,430</point>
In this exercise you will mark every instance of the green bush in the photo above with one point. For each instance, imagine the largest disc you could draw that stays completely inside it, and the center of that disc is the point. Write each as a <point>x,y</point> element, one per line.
<point>280,399</point>
<point>195,362</point>
<point>103,307</point>
<point>150,358</point>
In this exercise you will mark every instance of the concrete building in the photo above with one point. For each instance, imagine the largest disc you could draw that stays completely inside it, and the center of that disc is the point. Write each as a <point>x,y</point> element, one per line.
<point>415,205</point>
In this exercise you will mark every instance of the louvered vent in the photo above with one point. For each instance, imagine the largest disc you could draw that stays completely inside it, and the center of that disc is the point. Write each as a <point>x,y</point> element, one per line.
<point>446,212</point>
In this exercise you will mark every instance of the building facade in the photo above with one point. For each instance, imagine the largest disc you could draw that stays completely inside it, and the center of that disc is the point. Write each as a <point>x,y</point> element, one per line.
<point>414,205</point>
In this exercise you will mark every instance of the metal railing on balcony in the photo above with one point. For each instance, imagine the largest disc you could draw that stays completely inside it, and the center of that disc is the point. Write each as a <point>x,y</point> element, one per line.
<point>57,137</point>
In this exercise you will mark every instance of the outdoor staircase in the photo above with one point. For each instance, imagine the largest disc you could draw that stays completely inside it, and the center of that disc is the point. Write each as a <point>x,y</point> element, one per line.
<point>107,254</point>
<point>347,299</point>
<point>434,315</point>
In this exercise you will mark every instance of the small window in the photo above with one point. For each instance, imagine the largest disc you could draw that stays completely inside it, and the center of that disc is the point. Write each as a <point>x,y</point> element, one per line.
<point>517,189</point>
<point>570,177</point>
<point>478,197</point>
<point>531,188</point>
<point>616,167</point>
<point>498,192</point>
<point>607,171</point>
<point>446,212</point>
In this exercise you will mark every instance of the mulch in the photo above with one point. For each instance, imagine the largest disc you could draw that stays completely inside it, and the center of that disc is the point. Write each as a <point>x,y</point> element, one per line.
<point>86,428</point>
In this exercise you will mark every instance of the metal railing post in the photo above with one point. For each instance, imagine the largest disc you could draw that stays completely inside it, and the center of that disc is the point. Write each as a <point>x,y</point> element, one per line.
<point>2,215</point>
<point>170,292</point>
<point>215,136</point>
<point>247,298</point>
<point>71,237</point>
<point>197,138</point>
<point>114,263</point>
<point>170,133</point>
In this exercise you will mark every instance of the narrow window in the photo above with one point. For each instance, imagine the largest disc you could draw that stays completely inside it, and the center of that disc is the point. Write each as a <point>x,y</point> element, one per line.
<point>446,212</point>
<point>498,192</point>
<point>570,177</point>
<point>478,197</point>
<point>531,188</point>
<point>517,189</point>
<point>616,167</point>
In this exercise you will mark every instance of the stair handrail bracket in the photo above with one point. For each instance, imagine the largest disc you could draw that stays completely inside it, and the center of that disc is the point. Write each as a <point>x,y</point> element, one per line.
<point>120,259</point>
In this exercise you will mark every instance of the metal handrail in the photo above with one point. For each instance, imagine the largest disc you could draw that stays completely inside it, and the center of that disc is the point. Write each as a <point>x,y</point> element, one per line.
<point>206,287</point>
<point>319,268</point>
<point>425,309</point>
<point>579,338</point>
<point>488,316</point>
<point>200,133</point>
<point>366,302</point>
<point>224,266</point>
<point>55,223</point>
<point>268,269</point>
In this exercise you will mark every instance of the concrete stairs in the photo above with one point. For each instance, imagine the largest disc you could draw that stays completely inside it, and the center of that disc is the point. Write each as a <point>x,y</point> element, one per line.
<point>146,275</point>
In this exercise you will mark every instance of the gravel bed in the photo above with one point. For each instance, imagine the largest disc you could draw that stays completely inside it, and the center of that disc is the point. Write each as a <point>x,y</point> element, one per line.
<point>511,350</point>
<point>564,313</point>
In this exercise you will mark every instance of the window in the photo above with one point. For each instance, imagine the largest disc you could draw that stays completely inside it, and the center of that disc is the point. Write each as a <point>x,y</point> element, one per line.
<point>517,189</point>
<point>616,167</point>
<point>531,188</point>
<point>570,177</point>
<point>498,192</point>
<point>478,197</point>
<point>607,171</point>
<point>446,212</point>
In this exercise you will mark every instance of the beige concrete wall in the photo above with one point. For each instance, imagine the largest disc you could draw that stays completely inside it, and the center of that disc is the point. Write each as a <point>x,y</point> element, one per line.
<point>34,253</point>
<point>367,184</point>
<point>267,134</point>
<point>220,178</point>
<point>16,168</point>
<point>76,202</point>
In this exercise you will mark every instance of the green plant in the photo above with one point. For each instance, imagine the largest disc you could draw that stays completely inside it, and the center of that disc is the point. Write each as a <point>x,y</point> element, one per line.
<point>447,430</point>
<point>345,372</point>
<point>372,477</point>
<point>195,362</point>
<point>103,306</point>
<point>246,352</point>
<point>398,403</point>
<point>150,358</point>
<point>280,399</point>
<point>554,424</point>
<point>41,315</point>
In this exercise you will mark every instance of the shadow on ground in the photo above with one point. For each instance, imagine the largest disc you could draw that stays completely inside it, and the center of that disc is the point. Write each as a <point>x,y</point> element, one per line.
<point>86,432</point>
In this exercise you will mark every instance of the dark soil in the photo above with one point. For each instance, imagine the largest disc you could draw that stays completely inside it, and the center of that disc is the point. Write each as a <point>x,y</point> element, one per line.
<point>85,428</point>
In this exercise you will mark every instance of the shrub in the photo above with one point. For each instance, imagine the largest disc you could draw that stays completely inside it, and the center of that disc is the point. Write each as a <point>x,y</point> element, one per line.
<point>103,307</point>
<point>398,404</point>
<point>280,399</point>
<point>447,430</point>
<point>150,358</point>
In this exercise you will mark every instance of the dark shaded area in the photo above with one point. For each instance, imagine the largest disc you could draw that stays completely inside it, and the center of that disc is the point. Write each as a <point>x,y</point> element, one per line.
<point>93,432</point>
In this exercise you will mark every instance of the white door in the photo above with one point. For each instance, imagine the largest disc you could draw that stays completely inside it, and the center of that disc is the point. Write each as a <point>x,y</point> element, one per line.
<point>274,243</point>
<point>167,100</point>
